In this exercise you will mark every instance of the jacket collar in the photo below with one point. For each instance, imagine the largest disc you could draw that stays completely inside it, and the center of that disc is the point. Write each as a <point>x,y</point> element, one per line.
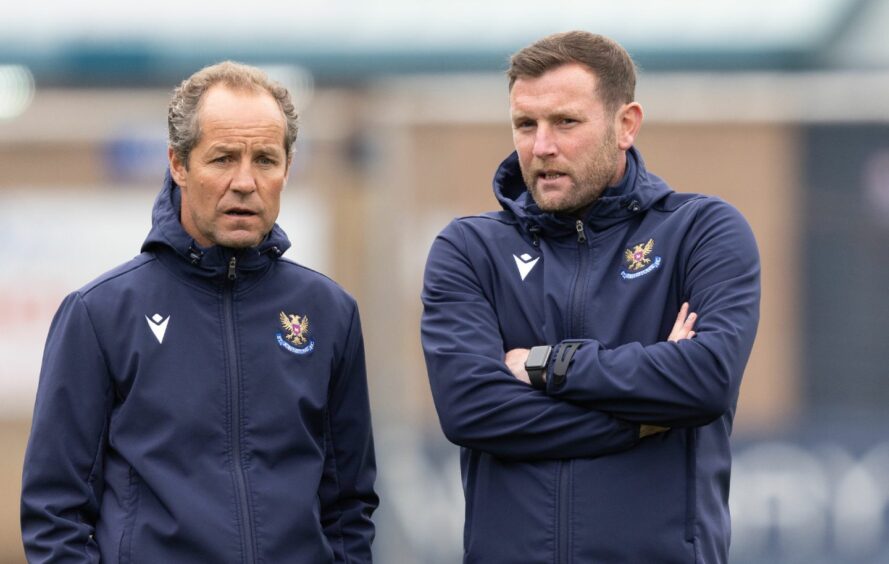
<point>634,194</point>
<point>168,237</point>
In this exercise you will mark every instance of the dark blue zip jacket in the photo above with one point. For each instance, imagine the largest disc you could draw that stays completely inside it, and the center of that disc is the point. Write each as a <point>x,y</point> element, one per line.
<point>560,475</point>
<point>211,432</point>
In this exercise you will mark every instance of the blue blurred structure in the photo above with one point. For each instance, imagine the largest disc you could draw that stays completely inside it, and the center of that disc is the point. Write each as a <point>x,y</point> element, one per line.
<point>346,41</point>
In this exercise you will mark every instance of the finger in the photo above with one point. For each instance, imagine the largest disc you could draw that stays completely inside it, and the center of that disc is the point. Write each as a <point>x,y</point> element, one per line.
<point>680,318</point>
<point>679,331</point>
<point>690,322</point>
<point>646,430</point>
<point>684,332</point>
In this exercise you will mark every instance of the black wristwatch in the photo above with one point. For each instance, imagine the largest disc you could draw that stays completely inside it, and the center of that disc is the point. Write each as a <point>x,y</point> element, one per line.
<point>536,365</point>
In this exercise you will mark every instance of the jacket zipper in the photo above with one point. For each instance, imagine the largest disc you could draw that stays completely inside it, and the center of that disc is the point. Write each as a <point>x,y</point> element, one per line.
<point>577,295</point>
<point>565,468</point>
<point>234,383</point>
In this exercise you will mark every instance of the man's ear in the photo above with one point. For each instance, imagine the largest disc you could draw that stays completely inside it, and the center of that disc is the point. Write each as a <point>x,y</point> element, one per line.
<point>628,122</point>
<point>177,168</point>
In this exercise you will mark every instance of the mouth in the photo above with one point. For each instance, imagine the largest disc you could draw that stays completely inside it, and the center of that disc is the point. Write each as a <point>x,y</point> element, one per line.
<point>239,212</point>
<point>550,175</point>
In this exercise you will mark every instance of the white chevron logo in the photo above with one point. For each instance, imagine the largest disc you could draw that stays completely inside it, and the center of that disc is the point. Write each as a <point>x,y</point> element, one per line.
<point>525,264</point>
<point>158,325</point>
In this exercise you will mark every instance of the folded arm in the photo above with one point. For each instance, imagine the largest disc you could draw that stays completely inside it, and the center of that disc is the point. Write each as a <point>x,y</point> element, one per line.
<point>687,382</point>
<point>480,404</point>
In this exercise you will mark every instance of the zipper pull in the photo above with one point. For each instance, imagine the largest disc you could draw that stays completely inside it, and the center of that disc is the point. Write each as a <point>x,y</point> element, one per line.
<point>232,265</point>
<point>535,236</point>
<point>581,236</point>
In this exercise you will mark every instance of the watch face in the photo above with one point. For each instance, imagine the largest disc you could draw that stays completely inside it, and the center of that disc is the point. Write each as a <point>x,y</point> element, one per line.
<point>537,358</point>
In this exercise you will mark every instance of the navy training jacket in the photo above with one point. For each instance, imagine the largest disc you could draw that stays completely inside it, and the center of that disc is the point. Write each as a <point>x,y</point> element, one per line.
<point>560,475</point>
<point>201,405</point>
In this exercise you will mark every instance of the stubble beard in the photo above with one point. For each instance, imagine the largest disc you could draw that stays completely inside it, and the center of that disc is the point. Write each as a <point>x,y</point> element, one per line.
<point>588,180</point>
<point>220,237</point>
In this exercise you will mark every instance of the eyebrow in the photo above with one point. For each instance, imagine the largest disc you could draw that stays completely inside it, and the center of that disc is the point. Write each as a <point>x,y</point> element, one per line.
<point>236,148</point>
<point>559,113</point>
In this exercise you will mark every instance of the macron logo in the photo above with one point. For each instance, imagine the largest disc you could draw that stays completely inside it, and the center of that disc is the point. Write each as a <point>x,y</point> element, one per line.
<point>158,325</point>
<point>525,264</point>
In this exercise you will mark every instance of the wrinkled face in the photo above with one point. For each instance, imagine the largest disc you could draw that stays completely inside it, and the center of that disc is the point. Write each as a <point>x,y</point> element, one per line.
<point>231,188</point>
<point>566,140</point>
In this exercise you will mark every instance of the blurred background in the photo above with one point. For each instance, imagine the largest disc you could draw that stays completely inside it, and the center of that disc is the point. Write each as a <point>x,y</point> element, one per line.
<point>780,107</point>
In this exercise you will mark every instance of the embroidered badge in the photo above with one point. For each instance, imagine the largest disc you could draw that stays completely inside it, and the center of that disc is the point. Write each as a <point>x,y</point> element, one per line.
<point>295,337</point>
<point>638,262</point>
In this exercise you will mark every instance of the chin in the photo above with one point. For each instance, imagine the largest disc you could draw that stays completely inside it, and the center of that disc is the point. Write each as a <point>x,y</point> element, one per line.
<point>553,205</point>
<point>239,242</point>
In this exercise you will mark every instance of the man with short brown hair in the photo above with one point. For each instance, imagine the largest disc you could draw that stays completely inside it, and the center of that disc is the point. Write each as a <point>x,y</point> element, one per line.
<point>585,345</point>
<point>207,400</point>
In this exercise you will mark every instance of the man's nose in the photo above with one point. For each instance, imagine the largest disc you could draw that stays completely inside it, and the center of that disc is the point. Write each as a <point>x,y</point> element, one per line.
<point>244,180</point>
<point>544,142</point>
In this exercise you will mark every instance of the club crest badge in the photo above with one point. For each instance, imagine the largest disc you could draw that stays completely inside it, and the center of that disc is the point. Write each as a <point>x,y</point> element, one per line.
<point>294,336</point>
<point>639,263</point>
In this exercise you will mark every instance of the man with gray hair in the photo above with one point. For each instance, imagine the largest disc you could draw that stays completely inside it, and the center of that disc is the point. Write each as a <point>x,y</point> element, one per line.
<point>207,400</point>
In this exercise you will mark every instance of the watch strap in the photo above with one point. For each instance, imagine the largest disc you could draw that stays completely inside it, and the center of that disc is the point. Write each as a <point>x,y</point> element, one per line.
<point>564,354</point>
<point>537,377</point>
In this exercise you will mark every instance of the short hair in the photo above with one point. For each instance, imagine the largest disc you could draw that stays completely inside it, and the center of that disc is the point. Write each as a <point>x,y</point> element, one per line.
<point>182,114</point>
<point>612,65</point>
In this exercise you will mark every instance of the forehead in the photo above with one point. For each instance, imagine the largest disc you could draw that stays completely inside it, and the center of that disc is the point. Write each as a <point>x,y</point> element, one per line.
<point>564,87</point>
<point>226,112</point>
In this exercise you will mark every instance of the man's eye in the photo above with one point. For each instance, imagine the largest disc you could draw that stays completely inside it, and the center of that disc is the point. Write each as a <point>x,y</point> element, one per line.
<point>524,124</point>
<point>267,161</point>
<point>223,159</point>
<point>568,121</point>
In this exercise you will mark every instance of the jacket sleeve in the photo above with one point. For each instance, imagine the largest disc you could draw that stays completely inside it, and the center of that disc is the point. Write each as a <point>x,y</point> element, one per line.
<point>694,381</point>
<point>62,475</point>
<point>480,404</point>
<point>346,491</point>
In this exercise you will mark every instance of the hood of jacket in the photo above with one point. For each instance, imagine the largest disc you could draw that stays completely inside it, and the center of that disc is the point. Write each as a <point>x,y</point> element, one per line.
<point>635,193</point>
<point>167,237</point>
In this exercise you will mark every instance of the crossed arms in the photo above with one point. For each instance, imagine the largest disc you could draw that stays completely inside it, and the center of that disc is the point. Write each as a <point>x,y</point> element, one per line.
<point>689,379</point>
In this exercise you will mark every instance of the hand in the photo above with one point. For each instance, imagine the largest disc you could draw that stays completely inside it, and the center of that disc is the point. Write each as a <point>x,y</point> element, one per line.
<point>685,321</point>
<point>682,329</point>
<point>515,361</point>
<point>647,430</point>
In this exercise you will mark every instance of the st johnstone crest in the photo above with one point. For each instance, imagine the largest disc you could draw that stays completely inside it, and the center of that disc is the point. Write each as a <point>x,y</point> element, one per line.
<point>638,261</point>
<point>294,336</point>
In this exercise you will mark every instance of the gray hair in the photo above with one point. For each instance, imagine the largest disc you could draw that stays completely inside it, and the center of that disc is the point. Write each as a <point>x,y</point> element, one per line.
<point>182,115</point>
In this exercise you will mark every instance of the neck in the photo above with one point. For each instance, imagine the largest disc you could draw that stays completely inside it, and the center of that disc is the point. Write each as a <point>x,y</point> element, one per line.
<point>620,171</point>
